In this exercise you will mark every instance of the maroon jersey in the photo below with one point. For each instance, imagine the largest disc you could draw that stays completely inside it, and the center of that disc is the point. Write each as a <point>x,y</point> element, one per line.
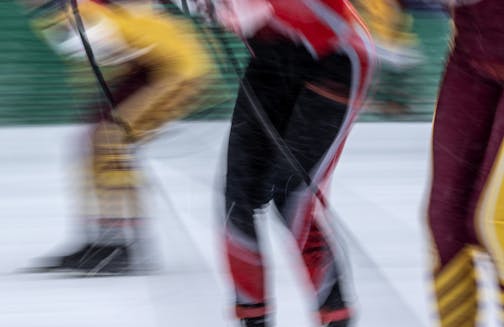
<point>480,30</point>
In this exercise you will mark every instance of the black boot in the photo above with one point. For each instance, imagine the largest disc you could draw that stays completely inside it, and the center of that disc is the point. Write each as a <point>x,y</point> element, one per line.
<point>339,323</point>
<point>90,260</point>
<point>106,260</point>
<point>61,263</point>
<point>254,322</point>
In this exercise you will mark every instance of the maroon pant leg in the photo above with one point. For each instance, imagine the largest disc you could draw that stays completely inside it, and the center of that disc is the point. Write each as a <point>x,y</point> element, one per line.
<point>462,128</point>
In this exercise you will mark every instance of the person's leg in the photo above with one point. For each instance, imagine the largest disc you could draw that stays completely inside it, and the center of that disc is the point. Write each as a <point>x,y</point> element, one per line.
<point>248,188</point>
<point>102,229</point>
<point>462,127</point>
<point>116,178</point>
<point>317,121</point>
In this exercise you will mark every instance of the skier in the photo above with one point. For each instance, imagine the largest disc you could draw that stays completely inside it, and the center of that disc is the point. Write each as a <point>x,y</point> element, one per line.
<point>165,72</point>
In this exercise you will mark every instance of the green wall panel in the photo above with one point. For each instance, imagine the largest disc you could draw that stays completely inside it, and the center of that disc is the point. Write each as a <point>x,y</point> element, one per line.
<point>37,87</point>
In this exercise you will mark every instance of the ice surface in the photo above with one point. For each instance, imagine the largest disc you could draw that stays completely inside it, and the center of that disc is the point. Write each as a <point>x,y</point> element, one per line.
<point>378,191</point>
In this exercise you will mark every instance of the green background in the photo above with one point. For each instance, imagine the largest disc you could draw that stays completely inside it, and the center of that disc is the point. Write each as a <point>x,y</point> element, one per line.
<point>37,87</point>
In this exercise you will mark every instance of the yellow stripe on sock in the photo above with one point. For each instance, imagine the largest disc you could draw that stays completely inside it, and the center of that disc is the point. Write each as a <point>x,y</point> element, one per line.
<point>466,310</point>
<point>459,266</point>
<point>466,287</point>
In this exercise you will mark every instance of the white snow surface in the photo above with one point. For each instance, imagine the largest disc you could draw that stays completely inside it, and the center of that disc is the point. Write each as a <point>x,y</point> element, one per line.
<point>378,191</point>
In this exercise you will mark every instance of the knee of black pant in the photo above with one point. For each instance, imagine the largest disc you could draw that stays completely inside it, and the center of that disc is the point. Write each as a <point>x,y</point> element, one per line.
<point>280,200</point>
<point>240,217</point>
<point>284,191</point>
<point>248,190</point>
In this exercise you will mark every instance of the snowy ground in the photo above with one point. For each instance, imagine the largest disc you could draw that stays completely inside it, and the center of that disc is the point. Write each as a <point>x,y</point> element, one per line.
<point>378,192</point>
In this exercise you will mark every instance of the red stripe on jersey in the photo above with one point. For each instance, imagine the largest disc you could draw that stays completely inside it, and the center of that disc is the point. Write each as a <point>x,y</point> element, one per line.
<point>299,18</point>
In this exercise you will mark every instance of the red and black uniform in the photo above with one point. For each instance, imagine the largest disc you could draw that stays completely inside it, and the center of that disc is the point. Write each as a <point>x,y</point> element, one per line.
<point>310,69</point>
<point>465,208</point>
